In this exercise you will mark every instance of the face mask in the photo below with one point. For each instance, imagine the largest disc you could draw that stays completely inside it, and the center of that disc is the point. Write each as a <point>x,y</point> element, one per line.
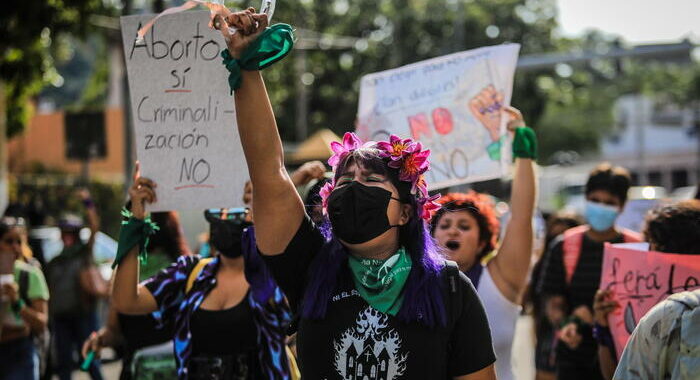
<point>358,212</point>
<point>601,217</point>
<point>226,236</point>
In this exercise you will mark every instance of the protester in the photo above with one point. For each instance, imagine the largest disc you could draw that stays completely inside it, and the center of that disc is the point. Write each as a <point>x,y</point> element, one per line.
<point>128,333</point>
<point>230,317</point>
<point>23,308</point>
<point>375,300</point>
<point>572,269</point>
<point>76,285</point>
<point>666,342</point>
<point>545,331</point>
<point>467,228</point>
<point>654,348</point>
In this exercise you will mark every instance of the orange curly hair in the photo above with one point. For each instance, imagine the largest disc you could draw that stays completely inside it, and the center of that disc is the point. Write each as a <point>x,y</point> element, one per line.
<point>480,207</point>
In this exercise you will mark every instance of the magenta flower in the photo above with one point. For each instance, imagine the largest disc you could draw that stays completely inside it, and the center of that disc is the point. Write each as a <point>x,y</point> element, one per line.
<point>396,149</point>
<point>350,143</point>
<point>430,206</point>
<point>420,188</point>
<point>325,192</point>
<point>414,164</point>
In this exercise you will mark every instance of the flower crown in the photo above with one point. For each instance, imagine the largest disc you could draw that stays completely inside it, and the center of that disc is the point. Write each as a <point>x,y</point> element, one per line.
<point>405,155</point>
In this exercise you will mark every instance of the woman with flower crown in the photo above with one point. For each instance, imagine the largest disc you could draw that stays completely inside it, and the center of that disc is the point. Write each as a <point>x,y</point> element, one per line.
<point>374,298</point>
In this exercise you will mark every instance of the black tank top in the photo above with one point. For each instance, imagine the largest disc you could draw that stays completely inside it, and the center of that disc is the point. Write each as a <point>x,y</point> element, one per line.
<point>224,332</point>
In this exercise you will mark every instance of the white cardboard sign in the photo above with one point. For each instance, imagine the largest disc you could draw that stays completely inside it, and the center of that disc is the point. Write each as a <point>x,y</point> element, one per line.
<point>184,116</point>
<point>452,105</point>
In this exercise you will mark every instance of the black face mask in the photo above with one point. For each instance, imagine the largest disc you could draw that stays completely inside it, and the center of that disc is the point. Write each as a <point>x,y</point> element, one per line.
<point>226,236</point>
<point>358,212</point>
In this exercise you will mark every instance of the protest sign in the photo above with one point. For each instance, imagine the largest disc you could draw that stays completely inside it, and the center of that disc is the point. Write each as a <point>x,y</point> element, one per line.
<point>184,118</point>
<point>640,279</point>
<point>452,105</point>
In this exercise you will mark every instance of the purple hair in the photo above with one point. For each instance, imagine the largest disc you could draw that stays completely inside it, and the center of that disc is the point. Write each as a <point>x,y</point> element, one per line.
<point>423,292</point>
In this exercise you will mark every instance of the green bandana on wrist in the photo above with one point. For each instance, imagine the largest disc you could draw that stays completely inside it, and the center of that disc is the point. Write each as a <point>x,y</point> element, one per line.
<point>134,231</point>
<point>271,46</point>
<point>525,143</point>
<point>380,282</point>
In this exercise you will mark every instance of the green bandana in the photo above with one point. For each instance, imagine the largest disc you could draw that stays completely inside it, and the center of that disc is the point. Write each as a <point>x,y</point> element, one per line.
<point>272,45</point>
<point>525,143</point>
<point>134,231</point>
<point>380,282</point>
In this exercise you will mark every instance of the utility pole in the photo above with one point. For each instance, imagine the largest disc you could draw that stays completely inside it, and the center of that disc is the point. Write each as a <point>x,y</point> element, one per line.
<point>4,178</point>
<point>126,107</point>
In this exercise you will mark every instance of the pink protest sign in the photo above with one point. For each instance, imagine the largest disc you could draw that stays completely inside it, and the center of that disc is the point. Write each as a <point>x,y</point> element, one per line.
<point>640,279</point>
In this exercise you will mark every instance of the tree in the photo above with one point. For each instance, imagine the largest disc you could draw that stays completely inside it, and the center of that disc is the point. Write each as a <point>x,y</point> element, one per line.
<point>394,33</point>
<point>33,32</point>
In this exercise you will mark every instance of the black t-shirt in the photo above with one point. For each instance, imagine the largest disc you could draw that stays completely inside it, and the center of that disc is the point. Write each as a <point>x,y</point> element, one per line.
<point>356,341</point>
<point>586,278</point>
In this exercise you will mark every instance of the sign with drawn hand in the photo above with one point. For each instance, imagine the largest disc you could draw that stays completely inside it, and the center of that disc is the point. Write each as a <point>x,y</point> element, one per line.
<point>639,279</point>
<point>184,119</point>
<point>452,105</point>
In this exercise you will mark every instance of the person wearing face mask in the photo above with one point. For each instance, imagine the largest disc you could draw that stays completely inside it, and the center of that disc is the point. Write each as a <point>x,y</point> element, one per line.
<point>374,300</point>
<point>572,268</point>
<point>229,316</point>
<point>467,228</point>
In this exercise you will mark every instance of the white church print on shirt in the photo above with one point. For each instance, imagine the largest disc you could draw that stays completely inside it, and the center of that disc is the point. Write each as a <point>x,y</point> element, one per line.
<point>370,350</point>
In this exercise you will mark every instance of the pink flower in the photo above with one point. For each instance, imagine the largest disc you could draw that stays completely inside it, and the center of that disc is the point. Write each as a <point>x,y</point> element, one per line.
<point>430,206</point>
<point>420,188</point>
<point>414,164</point>
<point>350,143</point>
<point>396,149</point>
<point>325,192</point>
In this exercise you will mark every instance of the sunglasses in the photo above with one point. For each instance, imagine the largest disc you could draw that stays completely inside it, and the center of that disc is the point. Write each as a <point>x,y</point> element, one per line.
<point>237,214</point>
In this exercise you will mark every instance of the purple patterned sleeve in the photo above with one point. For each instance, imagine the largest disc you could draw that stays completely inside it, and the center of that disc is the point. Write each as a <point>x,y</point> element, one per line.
<point>168,285</point>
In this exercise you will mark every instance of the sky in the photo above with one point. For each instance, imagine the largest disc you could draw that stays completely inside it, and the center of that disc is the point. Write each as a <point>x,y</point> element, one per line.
<point>637,21</point>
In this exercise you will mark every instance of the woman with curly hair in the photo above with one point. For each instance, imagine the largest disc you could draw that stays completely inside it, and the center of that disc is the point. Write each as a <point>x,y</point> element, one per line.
<point>467,228</point>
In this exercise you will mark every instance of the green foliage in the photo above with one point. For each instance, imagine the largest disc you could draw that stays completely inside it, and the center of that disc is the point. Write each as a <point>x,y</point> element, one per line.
<point>390,34</point>
<point>32,32</point>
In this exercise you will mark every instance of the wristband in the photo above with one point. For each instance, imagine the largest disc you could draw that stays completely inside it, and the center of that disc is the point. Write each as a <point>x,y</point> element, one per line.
<point>134,231</point>
<point>603,336</point>
<point>271,46</point>
<point>525,143</point>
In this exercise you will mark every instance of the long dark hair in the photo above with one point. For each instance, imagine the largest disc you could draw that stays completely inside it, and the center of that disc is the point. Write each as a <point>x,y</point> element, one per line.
<point>422,298</point>
<point>169,237</point>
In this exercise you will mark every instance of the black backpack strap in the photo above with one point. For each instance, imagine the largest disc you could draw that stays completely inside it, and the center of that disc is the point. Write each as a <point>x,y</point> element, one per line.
<point>24,286</point>
<point>454,292</point>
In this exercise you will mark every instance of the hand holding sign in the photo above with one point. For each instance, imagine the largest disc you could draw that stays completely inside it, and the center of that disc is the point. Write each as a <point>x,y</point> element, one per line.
<point>486,107</point>
<point>604,304</point>
<point>142,191</point>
